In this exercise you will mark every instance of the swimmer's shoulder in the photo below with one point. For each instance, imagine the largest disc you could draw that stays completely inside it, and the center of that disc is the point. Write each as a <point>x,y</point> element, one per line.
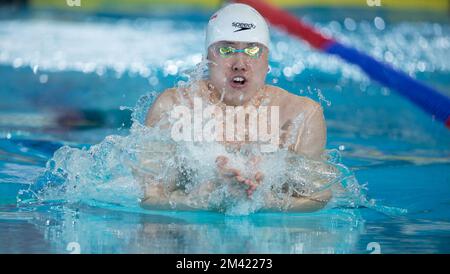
<point>171,97</point>
<point>177,94</point>
<point>168,96</point>
<point>162,105</point>
<point>292,102</point>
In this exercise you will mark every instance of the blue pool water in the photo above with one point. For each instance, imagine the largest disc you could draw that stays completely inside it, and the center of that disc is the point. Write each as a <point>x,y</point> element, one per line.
<point>75,80</point>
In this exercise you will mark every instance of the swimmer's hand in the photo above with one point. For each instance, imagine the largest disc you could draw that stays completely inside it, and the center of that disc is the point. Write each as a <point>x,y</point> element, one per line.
<point>158,198</point>
<point>225,170</point>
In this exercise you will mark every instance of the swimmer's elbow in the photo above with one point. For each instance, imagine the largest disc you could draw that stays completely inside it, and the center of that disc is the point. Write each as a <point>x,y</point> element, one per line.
<point>311,204</point>
<point>153,195</point>
<point>324,198</point>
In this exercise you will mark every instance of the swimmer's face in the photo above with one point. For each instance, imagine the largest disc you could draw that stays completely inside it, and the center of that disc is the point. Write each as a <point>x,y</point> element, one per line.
<point>239,74</point>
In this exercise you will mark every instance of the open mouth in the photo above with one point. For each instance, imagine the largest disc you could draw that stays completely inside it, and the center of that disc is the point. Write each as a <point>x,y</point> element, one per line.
<point>238,81</point>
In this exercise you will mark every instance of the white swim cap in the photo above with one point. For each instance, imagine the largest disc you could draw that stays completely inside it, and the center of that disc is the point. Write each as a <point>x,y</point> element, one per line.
<point>237,22</point>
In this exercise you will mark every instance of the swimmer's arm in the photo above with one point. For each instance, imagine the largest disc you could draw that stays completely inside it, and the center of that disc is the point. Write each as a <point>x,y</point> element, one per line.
<point>299,204</point>
<point>162,195</point>
<point>158,199</point>
<point>150,166</point>
<point>321,172</point>
<point>311,140</point>
<point>311,203</point>
<point>151,153</point>
<point>310,143</point>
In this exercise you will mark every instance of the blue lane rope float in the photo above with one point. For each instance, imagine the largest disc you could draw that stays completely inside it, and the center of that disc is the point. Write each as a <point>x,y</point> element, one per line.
<point>429,99</point>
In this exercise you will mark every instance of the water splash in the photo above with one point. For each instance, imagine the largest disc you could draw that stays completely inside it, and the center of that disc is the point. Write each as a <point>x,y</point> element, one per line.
<point>113,171</point>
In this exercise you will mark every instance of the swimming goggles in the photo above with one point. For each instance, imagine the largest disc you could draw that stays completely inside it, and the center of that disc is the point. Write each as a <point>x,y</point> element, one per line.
<point>252,51</point>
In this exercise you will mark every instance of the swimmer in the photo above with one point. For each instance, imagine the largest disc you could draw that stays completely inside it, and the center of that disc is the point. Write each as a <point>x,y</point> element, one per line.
<point>237,45</point>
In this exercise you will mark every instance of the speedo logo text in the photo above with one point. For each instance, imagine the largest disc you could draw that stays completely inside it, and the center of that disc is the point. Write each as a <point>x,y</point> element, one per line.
<point>243,26</point>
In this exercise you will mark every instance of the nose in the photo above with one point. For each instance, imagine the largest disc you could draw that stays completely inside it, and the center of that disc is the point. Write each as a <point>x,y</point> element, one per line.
<point>239,65</point>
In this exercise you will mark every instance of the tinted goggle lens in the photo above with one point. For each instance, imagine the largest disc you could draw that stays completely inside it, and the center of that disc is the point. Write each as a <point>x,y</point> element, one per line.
<point>226,51</point>
<point>253,51</point>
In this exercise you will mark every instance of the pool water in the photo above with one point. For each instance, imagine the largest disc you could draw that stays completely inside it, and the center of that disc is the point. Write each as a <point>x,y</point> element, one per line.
<point>73,80</point>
